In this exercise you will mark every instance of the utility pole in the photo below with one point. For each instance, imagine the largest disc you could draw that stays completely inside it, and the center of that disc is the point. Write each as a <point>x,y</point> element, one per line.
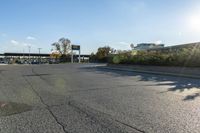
<point>39,59</point>
<point>29,49</point>
<point>23,54</point>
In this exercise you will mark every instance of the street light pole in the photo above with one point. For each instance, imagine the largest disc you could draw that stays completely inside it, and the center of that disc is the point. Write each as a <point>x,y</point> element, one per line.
<point>29,49</point>
<point>23,55</point>
<point>39,59</point>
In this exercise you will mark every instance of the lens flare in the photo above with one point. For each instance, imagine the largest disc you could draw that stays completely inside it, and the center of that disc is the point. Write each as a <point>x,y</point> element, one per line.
<point>194,23</point>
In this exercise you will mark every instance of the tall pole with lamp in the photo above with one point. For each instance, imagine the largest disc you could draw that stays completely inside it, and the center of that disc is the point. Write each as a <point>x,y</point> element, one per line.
<point>29,50</point>
<point>23,56</point>
<point>39,59</point>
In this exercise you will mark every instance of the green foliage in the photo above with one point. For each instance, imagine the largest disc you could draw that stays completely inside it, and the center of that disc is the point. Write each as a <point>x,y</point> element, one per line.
<point>65,58</point>
<point>102,54</point>
<point>116,59</point>
<point>180,57</point>
<point>93,58</point>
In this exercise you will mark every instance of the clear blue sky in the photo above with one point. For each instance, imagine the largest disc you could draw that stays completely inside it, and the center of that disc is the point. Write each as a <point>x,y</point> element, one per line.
<point>94,23</point>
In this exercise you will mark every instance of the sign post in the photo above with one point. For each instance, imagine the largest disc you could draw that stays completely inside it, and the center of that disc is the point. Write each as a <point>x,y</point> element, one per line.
<point>75,47</point>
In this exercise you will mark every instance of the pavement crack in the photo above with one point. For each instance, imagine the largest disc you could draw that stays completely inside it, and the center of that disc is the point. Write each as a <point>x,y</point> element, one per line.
<point>46,105</point>
<point>129,126</point>
<point>95,118</point>
<point>87,113</point>
<point>57,121</point>
<point>81,109</point>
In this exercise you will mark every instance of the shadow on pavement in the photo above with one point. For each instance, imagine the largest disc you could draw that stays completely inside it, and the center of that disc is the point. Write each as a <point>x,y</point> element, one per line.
<point>179,84</point>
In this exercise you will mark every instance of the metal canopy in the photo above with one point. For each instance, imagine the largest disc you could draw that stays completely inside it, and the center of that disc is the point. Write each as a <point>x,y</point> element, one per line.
<point>26,54</point>
<point>34,54</point>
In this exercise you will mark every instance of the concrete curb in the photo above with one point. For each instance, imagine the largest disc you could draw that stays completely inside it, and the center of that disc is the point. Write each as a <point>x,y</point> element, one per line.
<point>151,72</point>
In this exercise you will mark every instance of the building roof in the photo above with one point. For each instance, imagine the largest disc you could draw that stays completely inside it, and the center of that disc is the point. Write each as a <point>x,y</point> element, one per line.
<point>177,46</point>
<point>34,54</point>
<point>26,54</point>
<point>145,44</point>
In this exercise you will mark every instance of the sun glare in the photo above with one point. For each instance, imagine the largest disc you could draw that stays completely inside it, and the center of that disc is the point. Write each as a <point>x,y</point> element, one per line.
<point>194,23</point>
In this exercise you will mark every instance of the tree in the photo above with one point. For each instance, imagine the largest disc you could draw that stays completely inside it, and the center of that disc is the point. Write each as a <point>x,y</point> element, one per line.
<point>55,55</point>
<point>132,46</point>
<point>103,53</point>
<point>63,46</point>
<point>93,57</point>
<point>57,46</point>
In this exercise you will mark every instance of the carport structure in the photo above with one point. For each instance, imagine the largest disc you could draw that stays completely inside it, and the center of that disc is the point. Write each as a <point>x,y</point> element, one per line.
<point>26,57</point>
<point>33,57</point>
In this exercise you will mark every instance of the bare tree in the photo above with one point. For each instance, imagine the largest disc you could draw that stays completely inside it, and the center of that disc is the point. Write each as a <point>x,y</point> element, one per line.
<point>57,46</point>
<point>62,46</point>
<point>65,44</point>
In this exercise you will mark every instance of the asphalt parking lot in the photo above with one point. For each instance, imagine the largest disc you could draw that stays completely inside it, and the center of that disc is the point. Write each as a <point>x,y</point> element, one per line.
<point>77,98</point>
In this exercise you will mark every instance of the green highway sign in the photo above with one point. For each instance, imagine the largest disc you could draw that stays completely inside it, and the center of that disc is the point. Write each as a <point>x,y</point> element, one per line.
<point>75,47</point>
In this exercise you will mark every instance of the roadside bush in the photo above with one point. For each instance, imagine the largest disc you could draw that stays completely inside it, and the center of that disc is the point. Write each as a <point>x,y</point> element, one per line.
<point>189,57</point>
<point>65,58</point>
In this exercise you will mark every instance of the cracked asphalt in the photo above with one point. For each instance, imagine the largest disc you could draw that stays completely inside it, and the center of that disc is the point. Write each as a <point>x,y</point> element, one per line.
<point>85,98</point>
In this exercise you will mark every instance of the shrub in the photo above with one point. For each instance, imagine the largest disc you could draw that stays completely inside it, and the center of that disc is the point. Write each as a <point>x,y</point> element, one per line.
<point>181,57</point>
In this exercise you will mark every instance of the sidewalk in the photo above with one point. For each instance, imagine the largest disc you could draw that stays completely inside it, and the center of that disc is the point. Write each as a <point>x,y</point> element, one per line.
<point>159,70</point>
